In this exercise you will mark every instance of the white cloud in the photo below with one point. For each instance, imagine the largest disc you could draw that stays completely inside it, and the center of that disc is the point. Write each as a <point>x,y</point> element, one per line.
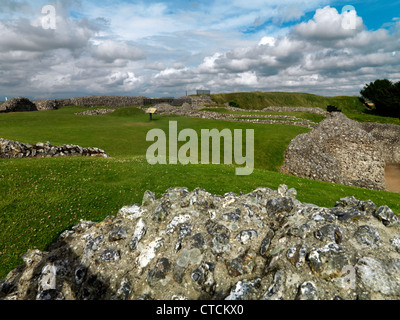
<point>267,41</point>
<point>110,51</point>
<point>328,24</point>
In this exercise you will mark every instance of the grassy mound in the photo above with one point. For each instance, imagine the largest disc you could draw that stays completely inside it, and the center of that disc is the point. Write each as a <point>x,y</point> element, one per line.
<point>260,100</point>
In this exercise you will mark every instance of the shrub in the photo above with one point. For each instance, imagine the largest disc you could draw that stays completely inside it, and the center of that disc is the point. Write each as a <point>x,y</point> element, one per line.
<point>385,95</point>
<point>234,104</point>
<point>333,109</point>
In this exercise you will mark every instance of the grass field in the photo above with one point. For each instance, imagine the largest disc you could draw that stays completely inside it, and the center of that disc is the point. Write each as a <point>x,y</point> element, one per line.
<point>40,198</point>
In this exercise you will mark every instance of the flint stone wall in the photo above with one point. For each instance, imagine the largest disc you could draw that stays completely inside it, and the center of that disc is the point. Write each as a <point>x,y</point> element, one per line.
<point>195,245</point>
<point>388,135</point>
<point>109,101</point>
<point>15,149</point>
<point>339,150</point>
<point>92,101</point>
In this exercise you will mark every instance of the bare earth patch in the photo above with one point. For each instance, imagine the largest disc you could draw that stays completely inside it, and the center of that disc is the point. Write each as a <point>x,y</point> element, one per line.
<point>392,177</point>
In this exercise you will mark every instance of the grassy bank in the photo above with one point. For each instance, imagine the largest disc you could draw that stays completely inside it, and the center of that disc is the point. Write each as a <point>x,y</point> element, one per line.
<point>261,100</point>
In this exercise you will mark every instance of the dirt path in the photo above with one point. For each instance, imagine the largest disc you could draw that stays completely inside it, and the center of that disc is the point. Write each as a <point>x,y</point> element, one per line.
<point>392,177</point>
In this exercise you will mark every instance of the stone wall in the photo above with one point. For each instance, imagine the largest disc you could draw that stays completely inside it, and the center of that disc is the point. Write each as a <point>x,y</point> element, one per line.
<point>339,150</point>
<point>15,149</point>
<point>92,101</point>
<point>195,245</point>
<point>388,135</point>
<point>107,101</point>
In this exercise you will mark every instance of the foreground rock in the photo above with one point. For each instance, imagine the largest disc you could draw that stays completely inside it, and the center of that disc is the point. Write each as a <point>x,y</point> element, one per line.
<point>195,245</point>
<point>18,105</point>
<point>15,149</point>
<point>339,150</point>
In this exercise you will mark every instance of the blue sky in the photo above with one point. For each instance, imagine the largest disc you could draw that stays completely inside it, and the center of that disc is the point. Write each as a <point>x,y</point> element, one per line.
<point>165,48</point>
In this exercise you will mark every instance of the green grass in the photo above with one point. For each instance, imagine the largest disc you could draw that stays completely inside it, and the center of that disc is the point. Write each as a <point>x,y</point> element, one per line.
<point>40,198</point>
<point>123,133</point>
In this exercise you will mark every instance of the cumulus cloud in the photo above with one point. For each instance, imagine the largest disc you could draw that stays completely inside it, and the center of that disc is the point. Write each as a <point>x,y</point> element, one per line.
<point>328,24</point>
<point>319,54</point>
<point>111,50</point>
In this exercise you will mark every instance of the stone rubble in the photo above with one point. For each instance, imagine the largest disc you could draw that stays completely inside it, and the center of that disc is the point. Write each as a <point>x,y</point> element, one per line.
<point>195,245</point>
<point>15,149</point>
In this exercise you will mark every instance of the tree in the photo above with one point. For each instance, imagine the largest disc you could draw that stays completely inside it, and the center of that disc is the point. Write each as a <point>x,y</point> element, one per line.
<point>385,95</point>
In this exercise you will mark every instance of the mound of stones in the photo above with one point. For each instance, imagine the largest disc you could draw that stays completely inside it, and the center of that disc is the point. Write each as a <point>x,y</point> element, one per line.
<point>339,150</point>
<point>195,245</point>
<point>18,105</point>
<point>15,149</point>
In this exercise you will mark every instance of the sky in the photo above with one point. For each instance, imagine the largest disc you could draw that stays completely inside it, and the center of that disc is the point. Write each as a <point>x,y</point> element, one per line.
<point>61,49</point>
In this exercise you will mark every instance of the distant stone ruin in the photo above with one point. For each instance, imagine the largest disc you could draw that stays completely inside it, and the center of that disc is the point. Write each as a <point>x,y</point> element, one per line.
<point>264,245</point>
<point>108,101</point>
<point>92,101</point>
<point>18,105</point>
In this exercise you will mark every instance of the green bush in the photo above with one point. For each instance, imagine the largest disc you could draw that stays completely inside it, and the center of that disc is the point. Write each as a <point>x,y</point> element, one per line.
<point>234,104</point>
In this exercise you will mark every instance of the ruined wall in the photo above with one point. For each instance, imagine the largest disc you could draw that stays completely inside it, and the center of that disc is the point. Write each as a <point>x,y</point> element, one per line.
<point>388,135</point>
<point>339,150</point>
<point>18,105</point>
<point>15,149</point>
<point>92,101</point>
<point>195,245</point>
<point>107,101</point>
